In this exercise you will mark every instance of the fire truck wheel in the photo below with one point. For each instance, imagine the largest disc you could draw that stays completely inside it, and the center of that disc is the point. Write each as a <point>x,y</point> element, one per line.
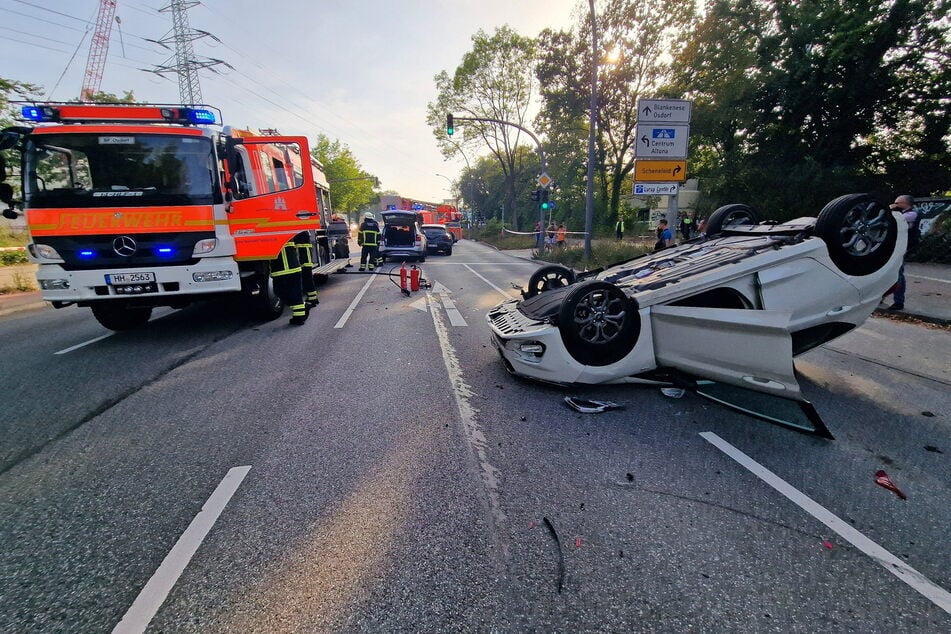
<point>116,315</point>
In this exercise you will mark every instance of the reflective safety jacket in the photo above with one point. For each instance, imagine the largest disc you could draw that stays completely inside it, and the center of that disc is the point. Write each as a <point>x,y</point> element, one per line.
<point>287,262</point>
<point>368,235</point>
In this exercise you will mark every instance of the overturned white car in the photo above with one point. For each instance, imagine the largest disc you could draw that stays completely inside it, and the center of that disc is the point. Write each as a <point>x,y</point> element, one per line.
<point>729,310</point>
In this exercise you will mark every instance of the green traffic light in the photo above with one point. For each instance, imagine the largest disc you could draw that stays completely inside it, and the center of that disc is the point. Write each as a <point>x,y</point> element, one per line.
<point>544,205</point>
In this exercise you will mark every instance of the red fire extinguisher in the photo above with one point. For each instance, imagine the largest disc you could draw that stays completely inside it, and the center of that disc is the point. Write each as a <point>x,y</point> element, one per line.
<point>403,286</point>
<point>414,274</point>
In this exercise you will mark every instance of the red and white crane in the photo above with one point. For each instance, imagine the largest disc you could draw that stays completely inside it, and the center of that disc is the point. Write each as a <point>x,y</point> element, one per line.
<point>98,49</point>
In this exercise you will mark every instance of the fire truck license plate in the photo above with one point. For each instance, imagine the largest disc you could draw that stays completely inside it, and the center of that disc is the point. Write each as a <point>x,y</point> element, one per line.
<point>117,279</point>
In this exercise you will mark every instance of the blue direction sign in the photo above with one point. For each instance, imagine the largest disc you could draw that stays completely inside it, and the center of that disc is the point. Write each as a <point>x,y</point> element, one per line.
<point>661,141</point>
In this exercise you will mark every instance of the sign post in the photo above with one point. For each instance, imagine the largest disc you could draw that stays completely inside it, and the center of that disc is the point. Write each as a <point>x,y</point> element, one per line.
<point>661,150</point>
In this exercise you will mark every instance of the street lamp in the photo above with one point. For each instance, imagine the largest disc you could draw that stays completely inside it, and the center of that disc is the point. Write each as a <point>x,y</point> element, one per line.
<point>450,183</point>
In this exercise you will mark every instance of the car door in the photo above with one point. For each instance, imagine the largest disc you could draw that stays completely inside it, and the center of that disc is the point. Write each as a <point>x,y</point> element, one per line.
<point>272,201</point>
<point>746,348</point>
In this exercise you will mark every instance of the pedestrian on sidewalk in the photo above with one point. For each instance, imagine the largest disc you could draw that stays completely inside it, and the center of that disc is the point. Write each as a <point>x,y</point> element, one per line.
<point>906,205</point>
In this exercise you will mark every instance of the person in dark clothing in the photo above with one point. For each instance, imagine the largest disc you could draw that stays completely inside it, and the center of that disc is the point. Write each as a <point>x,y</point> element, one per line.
<point>305,253</point>
<point>368,237</point>
<point>286,273</point>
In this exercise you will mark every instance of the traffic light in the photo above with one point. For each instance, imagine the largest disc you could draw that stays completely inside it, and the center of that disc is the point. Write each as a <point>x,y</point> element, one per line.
<point>536,195</point>
<point>450,128</point>
<point>544,199</point>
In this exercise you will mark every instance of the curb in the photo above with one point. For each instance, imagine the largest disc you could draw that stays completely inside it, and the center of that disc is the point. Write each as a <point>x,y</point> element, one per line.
<point>900,315</point>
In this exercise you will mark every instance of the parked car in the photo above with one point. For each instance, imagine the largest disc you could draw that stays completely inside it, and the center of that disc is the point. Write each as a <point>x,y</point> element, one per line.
<point>402,237</point>
<point>732,307</point>
<point>438,239</point>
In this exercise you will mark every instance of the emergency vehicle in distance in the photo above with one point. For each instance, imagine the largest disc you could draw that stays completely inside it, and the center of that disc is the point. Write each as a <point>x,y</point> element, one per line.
<point>135,206</point>
<point>428,213</point>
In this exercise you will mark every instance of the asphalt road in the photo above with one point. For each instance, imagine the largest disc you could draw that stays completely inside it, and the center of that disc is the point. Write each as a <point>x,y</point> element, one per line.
<point>377,470</point>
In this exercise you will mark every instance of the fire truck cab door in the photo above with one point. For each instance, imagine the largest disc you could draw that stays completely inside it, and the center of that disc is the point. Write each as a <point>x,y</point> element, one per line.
<point>273,197</point>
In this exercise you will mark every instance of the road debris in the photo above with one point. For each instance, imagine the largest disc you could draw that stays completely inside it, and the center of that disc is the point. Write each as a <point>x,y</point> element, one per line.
<point>882,480</point>
<point>590,407</point>
<point>561,555</point>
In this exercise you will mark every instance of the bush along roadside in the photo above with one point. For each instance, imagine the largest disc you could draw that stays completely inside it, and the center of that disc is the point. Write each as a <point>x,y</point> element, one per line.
<point>11,256</point>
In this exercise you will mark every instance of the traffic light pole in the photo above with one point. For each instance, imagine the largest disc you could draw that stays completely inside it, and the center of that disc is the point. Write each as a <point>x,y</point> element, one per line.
<point>541,155</point>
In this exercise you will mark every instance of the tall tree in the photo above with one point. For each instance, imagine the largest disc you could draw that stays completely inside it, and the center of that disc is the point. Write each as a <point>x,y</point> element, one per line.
<point>798,102</point>
<point>350,186</point>
<point>638,38</point>
<point>494,81</point>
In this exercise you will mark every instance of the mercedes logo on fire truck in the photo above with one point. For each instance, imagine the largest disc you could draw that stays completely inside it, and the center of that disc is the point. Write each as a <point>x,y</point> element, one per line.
<point>124,246</point>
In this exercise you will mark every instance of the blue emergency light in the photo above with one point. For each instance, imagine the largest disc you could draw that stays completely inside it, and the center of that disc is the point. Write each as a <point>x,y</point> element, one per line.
<point>31,113</point>
<point>165,251</point>
<point>199,115</point>
<point>86,253</point>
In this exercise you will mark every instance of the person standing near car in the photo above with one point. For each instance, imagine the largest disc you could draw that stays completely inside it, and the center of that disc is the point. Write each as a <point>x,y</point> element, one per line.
<point>906,205</point>
<point>368,237</point>
<point>619,230</point>
<point>560,236</point>
<point>665,237</point>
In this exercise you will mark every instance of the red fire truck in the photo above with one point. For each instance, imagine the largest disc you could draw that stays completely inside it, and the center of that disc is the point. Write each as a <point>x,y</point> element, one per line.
<point>135,206</point>
<point>429,213</point>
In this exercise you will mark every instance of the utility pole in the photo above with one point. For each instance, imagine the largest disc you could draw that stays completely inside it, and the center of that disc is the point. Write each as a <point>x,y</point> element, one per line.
<point>592,119</point>
<point>186,64</point>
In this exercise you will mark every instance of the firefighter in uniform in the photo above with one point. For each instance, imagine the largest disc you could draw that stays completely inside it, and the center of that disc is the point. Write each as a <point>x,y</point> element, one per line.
<point>286,273</point>
<point>305,253</point>
<point>368,237</point>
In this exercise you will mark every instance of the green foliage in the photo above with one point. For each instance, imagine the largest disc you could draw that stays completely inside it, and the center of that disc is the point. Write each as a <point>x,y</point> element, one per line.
<point>797,103</point>
<point>493,81</point>
<point>641,35</point>
<point>8,258</point>
<point>10,237</point>
<point>350,186</point>
<point>108,97</point>
<point>603,254</point>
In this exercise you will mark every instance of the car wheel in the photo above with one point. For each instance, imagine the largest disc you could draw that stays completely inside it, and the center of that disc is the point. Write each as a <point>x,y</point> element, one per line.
<point>548,278</point>
<point>449,251</point>
<point>731,216</point>
<point>119,316</point>
<point>422,258</point>
<point>859,231</point>
<point>263,301</point>
<point>599,324</point>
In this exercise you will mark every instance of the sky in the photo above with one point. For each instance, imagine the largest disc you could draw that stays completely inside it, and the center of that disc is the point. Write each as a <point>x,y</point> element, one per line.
<point>358,71</point>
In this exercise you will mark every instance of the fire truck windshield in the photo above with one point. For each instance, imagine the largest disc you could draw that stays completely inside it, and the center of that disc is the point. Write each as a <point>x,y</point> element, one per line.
<point>119,170</point>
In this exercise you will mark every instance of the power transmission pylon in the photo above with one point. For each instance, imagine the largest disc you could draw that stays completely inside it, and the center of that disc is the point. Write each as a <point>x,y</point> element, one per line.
<point>186,64</point>
<point>98,49</point>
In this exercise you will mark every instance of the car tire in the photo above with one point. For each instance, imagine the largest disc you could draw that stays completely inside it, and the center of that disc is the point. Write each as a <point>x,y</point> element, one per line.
<point>449,251</point>
<point>859,231</point>
<point>263,301</point>
<point>116,315</point>
<point>730,216</point>
<point>422,258</point>
<point>599,324</point>
<point>549,278</point>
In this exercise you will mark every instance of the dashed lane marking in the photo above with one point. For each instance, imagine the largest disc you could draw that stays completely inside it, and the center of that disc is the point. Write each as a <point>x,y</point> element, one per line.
<point>156,590</point>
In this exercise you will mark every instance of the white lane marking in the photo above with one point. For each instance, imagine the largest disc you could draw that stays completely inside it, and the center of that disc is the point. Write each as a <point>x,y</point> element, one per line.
<point>924,277</point>
<point>155,316</point>
<point>353,305</point>
<point>455,317</point>
<point>475,437</point>
<point>150,599</point>
<point>501,292</point>
<point>84,344</point>
<point>936,594</point>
